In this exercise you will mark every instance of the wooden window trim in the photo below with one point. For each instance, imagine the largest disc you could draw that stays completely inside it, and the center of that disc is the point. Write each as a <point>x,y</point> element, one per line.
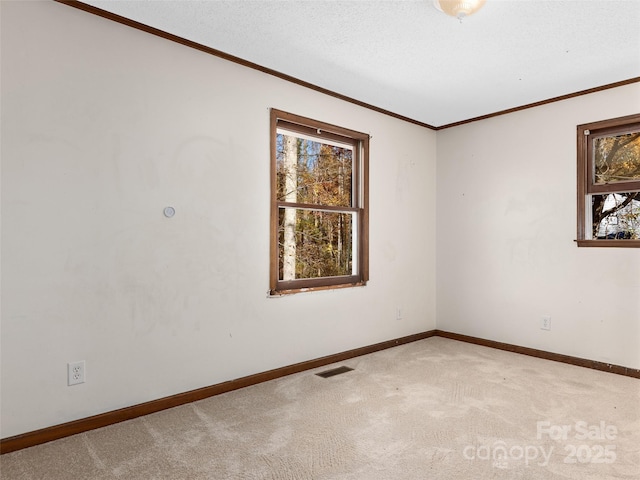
<point>585,183</point>
<point>360,141</point>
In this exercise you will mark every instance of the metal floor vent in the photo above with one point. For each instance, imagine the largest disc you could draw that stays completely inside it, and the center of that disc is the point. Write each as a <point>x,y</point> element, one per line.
<point>334,371</point>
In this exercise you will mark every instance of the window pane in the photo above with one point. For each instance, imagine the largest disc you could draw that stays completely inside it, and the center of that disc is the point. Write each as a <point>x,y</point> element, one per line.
<point>616,216</point>
<point>315,244</point>
<point>617,158</point>
<point>312,172</point>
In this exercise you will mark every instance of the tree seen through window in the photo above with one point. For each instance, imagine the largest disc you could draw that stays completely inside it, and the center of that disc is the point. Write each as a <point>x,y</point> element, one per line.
<point>319,205</point>
<point>314,242</point>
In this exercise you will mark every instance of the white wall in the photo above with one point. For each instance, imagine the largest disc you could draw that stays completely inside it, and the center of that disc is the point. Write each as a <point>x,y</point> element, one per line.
<point>102,127</point>
<point>506,228</point>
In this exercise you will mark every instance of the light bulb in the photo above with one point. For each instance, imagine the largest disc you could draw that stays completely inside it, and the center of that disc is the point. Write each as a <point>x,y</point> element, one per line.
<point>458,8</point>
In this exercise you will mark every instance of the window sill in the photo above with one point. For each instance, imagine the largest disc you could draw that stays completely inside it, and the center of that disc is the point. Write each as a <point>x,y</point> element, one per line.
<point>609,243</point>
<point>290,291</point>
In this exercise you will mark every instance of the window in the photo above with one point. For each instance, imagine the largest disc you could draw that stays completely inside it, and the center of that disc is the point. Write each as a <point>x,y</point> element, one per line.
<point>609,183</point>
<point>319,198</point>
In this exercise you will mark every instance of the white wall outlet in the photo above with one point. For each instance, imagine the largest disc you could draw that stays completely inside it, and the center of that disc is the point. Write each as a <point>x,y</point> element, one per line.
<point>75,373</point>
<point>546,323</point>
<point>398,313</point>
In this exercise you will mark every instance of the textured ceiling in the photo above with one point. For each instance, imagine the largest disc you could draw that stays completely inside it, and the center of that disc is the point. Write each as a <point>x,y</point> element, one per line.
<point>406,57</point>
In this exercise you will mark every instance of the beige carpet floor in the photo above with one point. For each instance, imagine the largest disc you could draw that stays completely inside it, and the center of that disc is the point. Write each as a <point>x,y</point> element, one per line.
<point>433,409</point>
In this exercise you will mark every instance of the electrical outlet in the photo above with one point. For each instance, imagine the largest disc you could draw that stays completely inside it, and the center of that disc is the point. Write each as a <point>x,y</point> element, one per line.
<point>398,313</point>
<point>546,323</point>
<point>75,373</point>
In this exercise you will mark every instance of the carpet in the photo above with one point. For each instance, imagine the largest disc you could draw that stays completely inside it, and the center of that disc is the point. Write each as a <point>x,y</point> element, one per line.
<point>432,409</point>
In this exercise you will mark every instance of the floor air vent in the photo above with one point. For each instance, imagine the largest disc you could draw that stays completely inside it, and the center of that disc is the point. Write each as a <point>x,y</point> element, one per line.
<point>334,371</point>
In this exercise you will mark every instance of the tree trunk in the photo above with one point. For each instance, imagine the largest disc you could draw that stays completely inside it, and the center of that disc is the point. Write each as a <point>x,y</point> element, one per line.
<point>290,157</point>
<point>599,213</point>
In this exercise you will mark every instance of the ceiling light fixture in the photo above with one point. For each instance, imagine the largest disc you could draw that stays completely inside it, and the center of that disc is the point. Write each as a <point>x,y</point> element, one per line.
<point>458,8</point>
